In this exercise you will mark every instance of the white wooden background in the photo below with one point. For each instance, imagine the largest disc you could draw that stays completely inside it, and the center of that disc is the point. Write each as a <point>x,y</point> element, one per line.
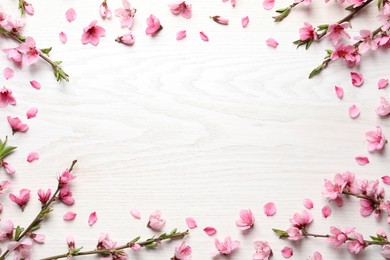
<point>192,128</point>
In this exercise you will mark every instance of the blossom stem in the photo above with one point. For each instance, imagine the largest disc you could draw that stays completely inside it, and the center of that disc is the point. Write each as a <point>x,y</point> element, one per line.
<point>361,196</point>
<point>284,12</point>
<point>59,73</point>
<point>146,243</point>
<point>45,210</point>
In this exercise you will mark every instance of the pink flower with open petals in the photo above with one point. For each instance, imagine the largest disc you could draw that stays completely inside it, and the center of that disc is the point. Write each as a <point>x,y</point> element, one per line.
<point>69,216</point>
<point>44,196</point>
<point>294,233</point>
<point>183,252</point>
<point>204,37</point>
<point>135,213</point>
<point>30,51</point>
<point>21,249</point>
<point>105,242</point>
<point>268,4</point>
<point>92,33</point>
<point>336,31</point>
<point>191,223</point>
<point>246,221</point>
<point>339,92</point>
<point>338,237</point>
<point>301,220</point>
<point>32,112</point>
<point>154,25</point>
<point>32,156</point>
<point>384,107</point>
<point>35,84</point>
<point>346,52</point>
<point>307,32</point>
<point>7,230</point>
<point>8,73</point>
<point>287,252</point>
<point>65,177</point>
<point>181,7</point>
<point>354,111</point>
<point>210,231</point>
<point>357,79</point>
<point>263,250</point>
<point>272,42</point>
<point>326,211</point>
<point>156,222</point>
<point>382,83</point>
<point>6,97</point>
<point>17,125</point>
<point>104,11</point>
<point>227,246</point>
<point>126,14</point>
<point>15,56</point>
<point>181,35</point>
<point>22,199</point>
<point>244,21</point>
<point>376,140</point>
<point>65,196</point>
<point>70,15</point>
<point>357,245</point>
<point>269,209</point>
<point>367,41</point>
<point>92,218</point>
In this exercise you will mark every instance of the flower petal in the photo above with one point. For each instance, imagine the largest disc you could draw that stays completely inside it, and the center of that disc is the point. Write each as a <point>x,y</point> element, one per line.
<point>70,15</point>
<point>354,111</point>
<point>32,156</point>
<point>69,216</point>
<point>382,83</point>
<point>326,211</point>
<point>181,35</point>
<point>32,112</point>
<point>357,79</point>
<point>210,231</point>
<point>191,223</point>
<point>35,84</point>
<point>204,37</point>
<point>362,160</point>
<point>8,73</point>
<point>92,218</point>
<point>386,179</point>
<point>268,4</point>
<point>63,37</point>
<point>135,213</point>
<point>287,252</point>
<point>339,92</point>
<point>270,209</point>
<point>272,42</point>
<point>245,21</point>
<point>308,203</point>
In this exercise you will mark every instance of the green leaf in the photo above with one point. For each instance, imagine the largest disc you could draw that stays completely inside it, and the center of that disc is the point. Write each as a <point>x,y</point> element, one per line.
<point>173,232</point>
<point>6,151</point>
<point>18,231</point>
<point>280,233</point>
<point>281,10</point>
<point>151,245</point>
<point>46,50</point>
<point>323,27</point>
<point>35,227</point>
<point>3,144</point>
<point>135,239</point>
<point>76,251</point>
<point>308,44</point>
<point>315,71</point>
<point>283,15</point>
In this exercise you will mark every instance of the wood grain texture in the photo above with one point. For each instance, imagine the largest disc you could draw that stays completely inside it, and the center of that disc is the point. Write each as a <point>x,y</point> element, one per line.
<point>192,128</point>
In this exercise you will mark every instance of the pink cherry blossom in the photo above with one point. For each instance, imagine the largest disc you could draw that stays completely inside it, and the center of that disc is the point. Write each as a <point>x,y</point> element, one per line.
<point>6,97</point>
<point>69,216</point>
<point>326,211</point>
<point>204,37</point>
<point>210,231</point>
<point>246,221</point>
<point>294,233</point>
<point>22,249</point>
<point>4,185</point>
<point>308,203</point>
<point>8,167</point>
<point>316,256</point>
<point>181,35</point>
<point>126,39</point>
<point>191,223</point>
<point>307,32</point>
<point>156,222</point>
<point>346,52</point>
<point>22,199</point>
<point>220,19</point>
<point>8,73</point>
<point>385,252</point>
<point>339,92</point>
<point>268,4</point>
<point>366,207</point>
<point>367,41</point>
<point>183,252</point>
<point>244,21</point>
<point>333,190</point>
<point>32,112</point>
<point>227,246</point>
<point>65,177</point>
<point>301,220</point>
<point>263,250</point>
<point>63,37</point>
<point>362,160</point>
<point>135,213</point>
<point>287,252</point>
<point>126,14</point>
<point>338,237</point>
<point>7,230</point>
<point>104,11</point>
<point>357,79</point>
<point>92,218</point>
<point>376,140</point>
<point>386,179</point>
<point>44,196</point>
<point>354,111</point>
<point>105,242</point>
<point>30,51</point>
<point>357,245</point>
<point>272,42</point>
<point>17,125</point>
<point>181,7</point>
<point>269,209</point>
<point>15,56</point>
<point>384,16</point>
<point>384,107</point>
<point>35,84</point>
<point>70,15</point>
<point>382,83</point>
<point>65,196</point>
<point>336,31</point>
<point>154,25</point>
<point>92,33</point>
<point>32,156</point>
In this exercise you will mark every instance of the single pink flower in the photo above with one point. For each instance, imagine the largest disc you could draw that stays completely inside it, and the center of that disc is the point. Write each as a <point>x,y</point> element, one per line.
<point>154,25</point>
<point>367,41</point>
<point>384,107</point>
<point>357,79</point>
<point>263,250</point>
<point>92,218</point>
<point>15,56</point>
<point>191,223</point>
<point>22,199</point>
<point>65,196</point>
<point>4,185</point>
<point>268,4</point>
<point>294,233</point>
<point>44,196</point>
<point>126,14</point>
<point>346,52</point>
<point>244,21</point>
<point>366,207</point>
<point>7,167</point>
<point>6,97</point>
<point>69,216</point>
<point>354,111</point>
<point>7,230</point>
<point>272,42</point>
<point>105,242</point>
<point>287,252</point>
<point>65,177</point>
<point>382,83</point>
<point>104,11</point>
<point>181,35</point>
<point>126,39</point>
<point>362,160</point>
<point>17,125</point>
<point>307,32</point>
<point>269,209</point>
<point>8,73</point>
<point>333,190</point>
<point>21,249</point>
<point>204,37</point>
<point>183,252</point>
<point>316,256</point>
<point>339,92</point>
<point>308,203</point>
<point>32,112</point>
<point>156,222</point>
<point>220,19</point>
<point>70,15</point>
<point>30,51</point>
<point>35,84</point>
<point>386,179</point>
<point>357,245</point>
<point>376,140</point>
<point>246,221</point>
<point>32,156</point>
<point>181,7</point>
<point>338,237</point>
<point>385,252</point>
<point>326,211</point>
<point>384,17</point>
<point>63,37</point>
<point>227,246</point>
<point>135,213</point>
<point>210,231</point>
<point>92,33</point>
<point>301,220</point>
<point>336,31</point>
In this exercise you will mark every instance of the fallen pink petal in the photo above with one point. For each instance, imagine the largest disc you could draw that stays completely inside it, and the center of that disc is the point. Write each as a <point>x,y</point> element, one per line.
<point>63,37</point>
<point>383,109</point>
<point>32,112</point>
<point>362,160</point>
<point>339,92</point>
<point>386,179</point>
<point>181,35</point>
<point>357,79</point>
<point>268,4</point>
<point>272,42</point>
<point>308,203</point>
<point>204,37</point>
<point>8,73</point>
<point>383,83</point>
<point>17,125</point>
<point>135,213</point>
<point>32,156</point>
<point>70,15</point>
<point>287,252</point>
<point>92,218</point>
<point>244,21</point>
<point>210,231</point>
<point>35,84</point>
<point>326,211</point>
<point>269,209</point>
<point>70,216</point>
<point>354,111</point>
<point>191,223</point>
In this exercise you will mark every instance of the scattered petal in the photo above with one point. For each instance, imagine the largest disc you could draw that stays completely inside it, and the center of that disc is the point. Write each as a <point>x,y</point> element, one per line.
<point>32,112</point>
<point>38,238</point>
<point>386,179</point>
<point>35,84</point>
<point>92,218</point>
<point>135,213</point>
<point>8,73</point>
<point>268,4</point>
<point>326,211</point>
<point>210,231</point>
<point>63,37</point>
<point>308,203</point>
<point>354,111</point>
<point>287,252</point>
<point>272,42</point>
<point>384,107</point>
<point>357,79</point>
<point>269,209</point>
<point>69,216</point>
<point>181,35</point>
<point>17,125</point>
<point>6,97</point>
<point>204,37</point>
<point>382,83</point>
<point>32,156</point>
<point>191,223</point>
<point>362,160</point>
<point>245,21</point>
<point>70,15</point>
<point>339,92</point>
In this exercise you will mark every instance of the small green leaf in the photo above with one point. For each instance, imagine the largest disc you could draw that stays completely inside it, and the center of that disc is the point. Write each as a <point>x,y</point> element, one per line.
<point>323,27</point>
<point>135,239</point>
<point>308,44</point>
<point>151,245</point>
<point>46,50</point>
<point>36,227</point>
<point>173,232</point>
<point>76,251</point>
<point>6,151</point>
<point>280,233</point>
<point>350,8</point>
<point>18,231</point>
<point>281,10</point>
<point>315,71</point>
<point>283,15</point>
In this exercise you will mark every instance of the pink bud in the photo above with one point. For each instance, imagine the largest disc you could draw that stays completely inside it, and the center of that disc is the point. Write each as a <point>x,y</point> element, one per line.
<point>220,20</point>
<point>28,8</point>
<point>44,196</point>
<point>127,39</point>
